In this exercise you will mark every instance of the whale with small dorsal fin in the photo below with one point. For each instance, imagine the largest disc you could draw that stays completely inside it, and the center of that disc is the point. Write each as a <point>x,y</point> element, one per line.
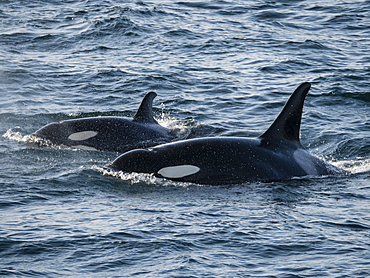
<point>275,155</point>
<point>108,133</point>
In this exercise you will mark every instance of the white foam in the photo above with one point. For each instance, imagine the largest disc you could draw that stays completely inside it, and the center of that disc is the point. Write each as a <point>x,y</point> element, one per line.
<point>178,171</point>
<point>15,136</point>
<point>85,148</point>
<point>83,135</point>
<point>140,178</point>
<point>180,130</point>
<point>359,165</point>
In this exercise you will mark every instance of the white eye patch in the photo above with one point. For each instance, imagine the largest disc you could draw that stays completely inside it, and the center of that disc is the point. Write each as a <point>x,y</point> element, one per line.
<point>179,171</point>
<point>83,135</point>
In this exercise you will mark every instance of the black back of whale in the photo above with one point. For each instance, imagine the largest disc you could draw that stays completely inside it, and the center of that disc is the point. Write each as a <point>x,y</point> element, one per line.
<point>109,133</point>
<point>276,155</point>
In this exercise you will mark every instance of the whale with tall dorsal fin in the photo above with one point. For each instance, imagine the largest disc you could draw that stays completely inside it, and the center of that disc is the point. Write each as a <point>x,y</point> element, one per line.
<point>118,134</point>
<point>275,155</point>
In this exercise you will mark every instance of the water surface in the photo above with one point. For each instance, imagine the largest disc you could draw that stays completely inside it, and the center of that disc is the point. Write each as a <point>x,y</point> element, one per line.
<point>220,68</point>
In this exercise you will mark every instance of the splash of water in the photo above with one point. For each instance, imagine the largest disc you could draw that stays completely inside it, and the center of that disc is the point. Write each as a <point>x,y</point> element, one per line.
<point>139,178</point>
<point>14,135</point>
<point>181,129</point>
<point>30,140</point>
<point>360,165</point>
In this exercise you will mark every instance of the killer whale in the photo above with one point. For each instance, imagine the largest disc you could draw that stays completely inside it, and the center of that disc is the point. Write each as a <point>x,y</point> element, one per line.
<point>118,134</point>
<point>275,155</point>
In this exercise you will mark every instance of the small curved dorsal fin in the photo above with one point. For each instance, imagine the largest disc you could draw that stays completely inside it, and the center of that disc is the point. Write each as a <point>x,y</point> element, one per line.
<point>145,113</point>
<point>287,125</point>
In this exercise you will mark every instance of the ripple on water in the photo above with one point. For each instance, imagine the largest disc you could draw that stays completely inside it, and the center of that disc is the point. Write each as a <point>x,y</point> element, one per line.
<point>219,68</point>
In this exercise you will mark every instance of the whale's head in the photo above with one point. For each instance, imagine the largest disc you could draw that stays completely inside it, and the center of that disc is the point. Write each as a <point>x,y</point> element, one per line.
<point>139,160</point>
<point>54,132</point>
<point>68,133</point>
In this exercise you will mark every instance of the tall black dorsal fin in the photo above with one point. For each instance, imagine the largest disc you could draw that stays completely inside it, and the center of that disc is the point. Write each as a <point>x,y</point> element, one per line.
<point>145,113</point>
<point>287,125</point>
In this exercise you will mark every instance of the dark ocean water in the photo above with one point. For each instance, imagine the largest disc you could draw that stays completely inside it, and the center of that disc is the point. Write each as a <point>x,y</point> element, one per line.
<point>219,68</point>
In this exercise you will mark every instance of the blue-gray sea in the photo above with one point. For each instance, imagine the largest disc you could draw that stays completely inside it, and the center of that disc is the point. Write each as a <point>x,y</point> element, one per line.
<point>220,68</point>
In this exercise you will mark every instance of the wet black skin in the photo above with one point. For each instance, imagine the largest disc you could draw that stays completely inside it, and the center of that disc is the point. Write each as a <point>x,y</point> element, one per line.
<point>112,133</point>
<point>276,155</point>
